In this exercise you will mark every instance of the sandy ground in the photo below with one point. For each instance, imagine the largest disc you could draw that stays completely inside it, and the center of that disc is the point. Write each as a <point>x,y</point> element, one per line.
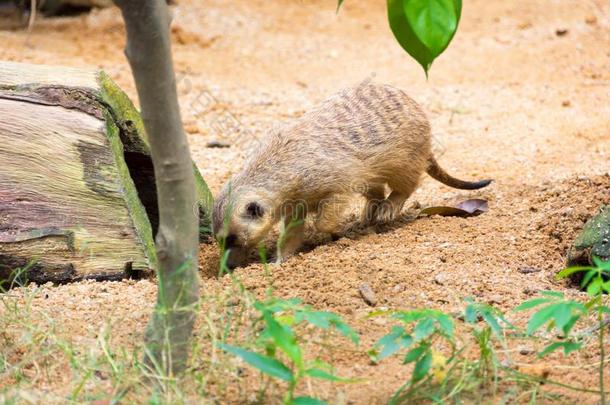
<point>512,99</point>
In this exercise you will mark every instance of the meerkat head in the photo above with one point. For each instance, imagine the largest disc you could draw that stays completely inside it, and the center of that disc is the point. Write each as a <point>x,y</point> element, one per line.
<point>242,217</point>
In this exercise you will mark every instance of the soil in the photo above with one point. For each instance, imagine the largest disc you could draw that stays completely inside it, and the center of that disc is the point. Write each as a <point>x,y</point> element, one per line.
<point>522,95</point>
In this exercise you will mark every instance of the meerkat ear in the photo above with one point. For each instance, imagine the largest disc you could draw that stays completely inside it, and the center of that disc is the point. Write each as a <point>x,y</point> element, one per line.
<point>254,210</point>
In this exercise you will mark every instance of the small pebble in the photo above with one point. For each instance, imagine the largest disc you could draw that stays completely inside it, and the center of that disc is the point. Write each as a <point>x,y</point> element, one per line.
<point>217,144</point>
<point>528,270</point>
<point>495,299</point>
<point>367,294</point>
<point>524,351</point>
<point>566,103</point>
<point>560,32</point>
<point>440,279</point>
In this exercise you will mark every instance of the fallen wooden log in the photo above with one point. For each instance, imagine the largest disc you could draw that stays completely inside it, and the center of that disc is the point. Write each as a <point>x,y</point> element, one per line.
<point>77,189</point>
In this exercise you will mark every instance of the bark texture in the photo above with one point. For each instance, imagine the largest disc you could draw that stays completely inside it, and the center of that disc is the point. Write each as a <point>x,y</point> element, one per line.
<point>69,207</point>
<point>149,53</point>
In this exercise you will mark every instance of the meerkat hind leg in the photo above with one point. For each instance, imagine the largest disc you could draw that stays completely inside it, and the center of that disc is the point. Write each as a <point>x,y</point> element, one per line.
<point>375,195</point>
<point>390,208</point>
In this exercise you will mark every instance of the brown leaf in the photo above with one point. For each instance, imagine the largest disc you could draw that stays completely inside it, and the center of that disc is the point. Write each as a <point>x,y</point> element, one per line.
<point>464,209</point>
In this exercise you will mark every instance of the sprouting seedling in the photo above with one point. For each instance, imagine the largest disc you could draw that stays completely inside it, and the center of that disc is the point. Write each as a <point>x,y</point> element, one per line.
<point>596,282</point>
<point>554,311</point>
<point>283,356</point>
<point>418,330</point>
<point>493,317</point>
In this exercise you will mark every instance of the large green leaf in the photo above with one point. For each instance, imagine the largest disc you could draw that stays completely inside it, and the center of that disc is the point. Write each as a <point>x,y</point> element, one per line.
<point>284,338</point>
<point>532,303</point>
<point>267,365</point>
<point>433,21</point>
<point>424,28</point>
<point>540,318</point>
<point>567,347</point>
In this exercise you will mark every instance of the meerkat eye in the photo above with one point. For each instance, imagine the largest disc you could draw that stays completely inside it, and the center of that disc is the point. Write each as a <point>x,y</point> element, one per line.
<point>254,210</point>
<point>230,241</point>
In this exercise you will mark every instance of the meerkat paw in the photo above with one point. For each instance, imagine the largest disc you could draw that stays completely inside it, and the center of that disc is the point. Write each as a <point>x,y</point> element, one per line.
<point>282,257</point>
<point>385,213</point>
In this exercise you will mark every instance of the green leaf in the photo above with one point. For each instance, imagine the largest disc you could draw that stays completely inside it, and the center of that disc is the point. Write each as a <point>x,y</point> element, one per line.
<point>446,324</point>
<point>540,318</point>
<point>339,3</point>
<point>422,367</point>
<point>284,338</point>
<point>594,287</point>
<point>348,332</point>
<point>562,315</point>
<point>588,276</point>
<point>307,401</point>
<point>267,365</point>
<point>415,354</point>
<point>492,321</point>
<point>571,270</point>
<point>424,28</point>
<point>405,36</point>
<point>567,347</point>
<point>393,342</point>
<point>433,21</point>
<point>532,303</point>
<point>318,318</point>
<point>325,320</point>
<point>552,294</point>
<point>323,375</point>
<point>568,326</point>
<point>423,329</point>
<point>470,313</point>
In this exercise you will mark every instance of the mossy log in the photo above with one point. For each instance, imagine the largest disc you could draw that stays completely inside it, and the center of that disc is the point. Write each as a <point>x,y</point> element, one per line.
<point>593,240</point>
<point>77,187</point>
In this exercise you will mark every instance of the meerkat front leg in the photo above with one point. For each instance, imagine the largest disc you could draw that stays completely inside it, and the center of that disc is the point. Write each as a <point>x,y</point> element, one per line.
<point>330,214</point>
<point>291,232</point>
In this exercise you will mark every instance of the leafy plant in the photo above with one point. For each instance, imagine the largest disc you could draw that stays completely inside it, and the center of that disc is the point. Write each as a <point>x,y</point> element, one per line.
<point>556,312</point>
<point>596,282</point>
<point>279,337</point>
<point>495,323</point>
<point>561,314</point>
<point>423,28</point>
<point>418,334</point>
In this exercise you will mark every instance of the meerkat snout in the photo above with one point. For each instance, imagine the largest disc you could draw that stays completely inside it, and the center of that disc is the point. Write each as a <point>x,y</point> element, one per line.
<point>371,135</point>
<point>240,221</point>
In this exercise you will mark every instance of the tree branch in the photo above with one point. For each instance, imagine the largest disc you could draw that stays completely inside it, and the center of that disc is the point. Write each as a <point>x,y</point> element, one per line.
<point>149,53</point>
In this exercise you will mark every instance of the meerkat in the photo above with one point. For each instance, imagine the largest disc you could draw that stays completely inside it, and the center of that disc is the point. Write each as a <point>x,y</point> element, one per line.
<point>357,142</point>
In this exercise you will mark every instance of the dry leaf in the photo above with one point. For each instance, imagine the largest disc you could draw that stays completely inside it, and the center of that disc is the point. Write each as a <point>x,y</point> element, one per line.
<point>464,209</point>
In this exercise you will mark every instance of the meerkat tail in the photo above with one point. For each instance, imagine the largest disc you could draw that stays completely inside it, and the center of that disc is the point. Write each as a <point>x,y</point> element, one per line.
<point>437,173</point>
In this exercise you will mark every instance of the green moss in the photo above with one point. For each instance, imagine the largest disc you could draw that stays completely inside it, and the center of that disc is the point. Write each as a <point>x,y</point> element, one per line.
<point>125,114</point>
<point>130,121</point>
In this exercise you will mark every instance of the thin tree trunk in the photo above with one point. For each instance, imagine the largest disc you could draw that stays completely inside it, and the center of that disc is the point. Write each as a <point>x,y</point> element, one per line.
<point>148,50</point>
